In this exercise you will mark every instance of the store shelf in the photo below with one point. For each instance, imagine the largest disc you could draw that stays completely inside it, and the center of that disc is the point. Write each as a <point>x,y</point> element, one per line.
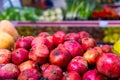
<point>99,23</point>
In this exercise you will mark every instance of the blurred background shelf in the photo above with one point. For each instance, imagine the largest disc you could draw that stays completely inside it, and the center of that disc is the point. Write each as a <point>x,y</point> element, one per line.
<point>85,23</point>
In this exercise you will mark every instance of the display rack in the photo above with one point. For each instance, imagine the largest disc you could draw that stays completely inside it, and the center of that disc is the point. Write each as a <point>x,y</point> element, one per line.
<point>99,23</point>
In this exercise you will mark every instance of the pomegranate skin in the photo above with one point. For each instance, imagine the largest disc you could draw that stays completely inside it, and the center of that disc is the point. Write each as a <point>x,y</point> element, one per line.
<point>72,75</point>
<point>19,55</point>
<point>109,65</point>
<point>24,42</point>
<point>44,34</point>
<point>44,66</point>
<point>43,40</point>
<point>73,47</point>
<point>87,43</point>
<point>39,53</point>
<point>60,56</point>
<point>78,64</point>
<point>5,56</point>
<point>29,74</point>
<point>58,37</point>
<point>93,75</point>
<point>53,72</point>
<point>71,36</point>
<point>9,71</point>
<point>27,65</point>
<point>106,48</point>
<point>83,34</point>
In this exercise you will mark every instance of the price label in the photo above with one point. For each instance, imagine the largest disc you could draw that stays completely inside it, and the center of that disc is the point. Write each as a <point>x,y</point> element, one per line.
<point>103,23</point>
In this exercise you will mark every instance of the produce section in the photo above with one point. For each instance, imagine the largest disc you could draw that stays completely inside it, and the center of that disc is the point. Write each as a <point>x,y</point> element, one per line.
<point>79,40</point>
<point>59,55</point>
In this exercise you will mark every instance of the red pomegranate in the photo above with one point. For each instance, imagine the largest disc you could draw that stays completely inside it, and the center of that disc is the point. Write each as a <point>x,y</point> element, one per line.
<point>9,71</point>
<point>58,37</point>
<point>109,65</point>
<point>93,75</point>
<point>71,75</point>
<point>53,72</point>
<point>60,56</point>
<point>78,64</point>
<point>5,56</point>
<point>19,55</point>
<point>30,74</point>
<point>73,47</point>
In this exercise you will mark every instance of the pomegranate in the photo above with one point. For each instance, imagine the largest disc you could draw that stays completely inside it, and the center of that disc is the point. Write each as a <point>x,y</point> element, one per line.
<point>44,66</point>
<point>78,64</point>
<point>53,72</point>
<point>93,75</point>
<point>27,65</point>
<point>38,40</point>
<point>5,56</point>
<point>106,48</point>
<point>29,74</point>
<point>71,75</point>
<point>71,36</point>
<point>91,56</point>
<point>39,54</point>
<point>83,34</point>
<point>19,55</point>
<point>60,56</point>
<point>58,37</point>
<point>109,65</point>
<point>50,43</point>
<point>43,34</point>
<point>42,40</point>
<point>87,43</point>
<point>24,42</point>
<point>98,49</point>
<point>9,71</point>
<point>73,47</point>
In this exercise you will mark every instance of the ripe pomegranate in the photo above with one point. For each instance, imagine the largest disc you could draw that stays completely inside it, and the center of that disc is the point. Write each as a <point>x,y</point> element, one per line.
<point>53,72</point>
<point>91,56</point>
<point>71,75</point>
<point>58,37</point>
<point>42,40</point>
<point>5,56</point>
<point>44,34</point>
<point>24,42</point>
<point>30,74</point>
<point>93,75</point>
<point>27,65</point>
<point>73,47</point>
<point>38,40</point>
<point>39,54</point>
<point>44,66</point>
<point>50,44</point>
<point>109,65</point>
<point>106,48</point>
<point>9,71</point>
<point>19,55</point>
<point>71,36</point>
<point>98,49</point>
<point>83,34</point>
<point>78,64</point>
<point>60,56</point>
<point>87,43</point>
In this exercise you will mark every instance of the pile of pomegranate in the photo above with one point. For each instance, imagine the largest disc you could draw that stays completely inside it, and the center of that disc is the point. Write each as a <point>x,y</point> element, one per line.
<point>61,56</point>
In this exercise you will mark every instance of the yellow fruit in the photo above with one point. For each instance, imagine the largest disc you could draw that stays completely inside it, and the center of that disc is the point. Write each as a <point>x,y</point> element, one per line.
<point>8,27</point>
<point>6,40</point>
<point>116,48</point>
